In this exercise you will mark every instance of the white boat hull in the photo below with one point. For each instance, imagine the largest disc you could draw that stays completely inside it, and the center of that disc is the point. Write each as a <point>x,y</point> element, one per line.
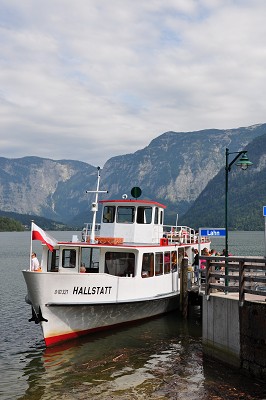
<point>71,321</point>
<point>85,303</point>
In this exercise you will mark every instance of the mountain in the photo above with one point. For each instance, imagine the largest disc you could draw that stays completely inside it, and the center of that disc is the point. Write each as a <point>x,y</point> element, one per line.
<point>246,195</point>
<point>44,187</point>
<point>175,168</point>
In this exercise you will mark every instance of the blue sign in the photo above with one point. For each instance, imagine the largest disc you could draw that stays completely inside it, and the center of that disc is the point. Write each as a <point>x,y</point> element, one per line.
<point>221,232</point>
<point>264,211</point>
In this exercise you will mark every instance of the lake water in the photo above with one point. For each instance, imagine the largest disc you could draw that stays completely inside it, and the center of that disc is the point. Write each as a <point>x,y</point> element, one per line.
<point>159,359</point>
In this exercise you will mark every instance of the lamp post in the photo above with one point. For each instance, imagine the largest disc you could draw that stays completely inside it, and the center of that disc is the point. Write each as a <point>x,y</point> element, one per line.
<point>243,163</point>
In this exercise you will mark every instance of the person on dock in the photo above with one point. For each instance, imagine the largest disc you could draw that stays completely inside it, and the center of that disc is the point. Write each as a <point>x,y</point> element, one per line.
<point>213,253</point>
<point>205,252</point>
<point>195,264</point>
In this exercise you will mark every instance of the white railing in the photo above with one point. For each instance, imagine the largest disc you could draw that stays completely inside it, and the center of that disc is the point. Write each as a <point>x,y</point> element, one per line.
<point>86,232</point>
<point>182,234</point>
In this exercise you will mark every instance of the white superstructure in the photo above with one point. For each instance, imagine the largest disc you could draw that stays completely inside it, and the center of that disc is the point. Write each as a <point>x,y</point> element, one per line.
<point>125,270</point>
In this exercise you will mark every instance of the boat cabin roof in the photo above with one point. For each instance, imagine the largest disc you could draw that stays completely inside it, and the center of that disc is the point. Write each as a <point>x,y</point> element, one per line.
<point>136,202</point>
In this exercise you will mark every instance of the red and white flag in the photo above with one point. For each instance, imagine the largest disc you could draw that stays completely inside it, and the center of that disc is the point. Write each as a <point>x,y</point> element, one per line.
<point>38,234</point>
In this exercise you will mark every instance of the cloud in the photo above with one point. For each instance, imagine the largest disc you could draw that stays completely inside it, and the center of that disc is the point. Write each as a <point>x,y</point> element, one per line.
<point>91,80</point>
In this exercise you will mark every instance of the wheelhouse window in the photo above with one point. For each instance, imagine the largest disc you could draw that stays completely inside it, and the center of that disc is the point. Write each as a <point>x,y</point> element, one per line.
<point>147,265</point>
<point>144,215</point>
<point>156,215</point>
<point>125,214</point>
<point>69,258</point>
<point>120,263</point>
<point>53,261</point>
<point>109,214</point>
<point>161,217</point>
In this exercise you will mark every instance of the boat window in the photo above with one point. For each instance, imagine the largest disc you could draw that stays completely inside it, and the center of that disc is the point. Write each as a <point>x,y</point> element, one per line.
<point>109,214</point>
<point>53,261</point>
<point>156,215</point>
<point>167,262</point>
<point>147,265</point>
<point>90,259</point>
<point>120,263</point>
<point>144,215</point>
<point>125,214</point>
<point>173,261</point>
<point>69,258</point>
<point>158,263</point>
<point>161,217</point>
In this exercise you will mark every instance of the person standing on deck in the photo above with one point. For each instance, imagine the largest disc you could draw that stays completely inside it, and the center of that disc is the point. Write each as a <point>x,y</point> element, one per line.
<point>35,265</point>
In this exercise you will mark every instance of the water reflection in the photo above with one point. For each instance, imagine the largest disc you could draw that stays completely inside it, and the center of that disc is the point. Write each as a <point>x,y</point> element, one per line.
<point>159,359</point>
<point>114,361</point>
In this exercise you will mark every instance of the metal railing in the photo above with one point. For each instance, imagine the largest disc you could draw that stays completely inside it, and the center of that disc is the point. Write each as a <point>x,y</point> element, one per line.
<point>182,234</point>
<point>86,232</point>
<point>245,275</point>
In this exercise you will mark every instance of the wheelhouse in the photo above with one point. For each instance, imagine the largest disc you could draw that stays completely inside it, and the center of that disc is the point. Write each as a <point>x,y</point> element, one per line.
<point>136,221</point>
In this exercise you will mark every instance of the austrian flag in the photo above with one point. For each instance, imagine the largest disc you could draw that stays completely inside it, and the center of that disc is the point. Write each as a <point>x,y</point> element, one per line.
<point>38,234</point>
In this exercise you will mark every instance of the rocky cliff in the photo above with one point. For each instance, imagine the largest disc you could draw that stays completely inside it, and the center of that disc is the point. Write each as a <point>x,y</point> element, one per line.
<point>49,188</point>
<point>177,166</point>
<point>174,169</point>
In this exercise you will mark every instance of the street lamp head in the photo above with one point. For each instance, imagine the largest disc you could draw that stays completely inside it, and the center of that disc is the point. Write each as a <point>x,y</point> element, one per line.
<point>244,162</point>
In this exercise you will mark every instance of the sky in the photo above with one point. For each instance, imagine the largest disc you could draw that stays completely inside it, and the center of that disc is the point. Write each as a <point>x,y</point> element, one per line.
<point>89,80</point>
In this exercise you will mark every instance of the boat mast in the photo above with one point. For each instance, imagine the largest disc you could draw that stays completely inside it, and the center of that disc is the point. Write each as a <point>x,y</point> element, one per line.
<point>94,207</point>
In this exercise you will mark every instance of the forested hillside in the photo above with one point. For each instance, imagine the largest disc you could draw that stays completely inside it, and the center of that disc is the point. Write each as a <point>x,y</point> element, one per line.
<point>246,195</point>
<point>10,225</point>
<point>24,220</point>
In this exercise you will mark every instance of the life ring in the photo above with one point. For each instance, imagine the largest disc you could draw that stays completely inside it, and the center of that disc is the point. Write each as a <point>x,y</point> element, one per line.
<point>109,240</point>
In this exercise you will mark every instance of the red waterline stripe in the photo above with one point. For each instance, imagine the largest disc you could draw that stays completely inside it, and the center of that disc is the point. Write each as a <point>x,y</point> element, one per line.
<point>53,340</point>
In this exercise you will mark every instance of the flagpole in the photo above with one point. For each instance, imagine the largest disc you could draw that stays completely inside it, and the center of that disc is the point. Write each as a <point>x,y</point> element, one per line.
<point>31,241</point>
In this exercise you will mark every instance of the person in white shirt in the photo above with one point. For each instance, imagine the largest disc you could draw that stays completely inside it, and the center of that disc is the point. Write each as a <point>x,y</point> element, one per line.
<point>35,265</point>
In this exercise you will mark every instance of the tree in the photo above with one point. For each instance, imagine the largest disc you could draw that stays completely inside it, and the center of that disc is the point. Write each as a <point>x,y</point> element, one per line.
<point>10,225</point>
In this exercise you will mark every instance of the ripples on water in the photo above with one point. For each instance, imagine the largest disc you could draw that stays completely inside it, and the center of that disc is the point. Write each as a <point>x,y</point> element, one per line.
<point>158,359</point>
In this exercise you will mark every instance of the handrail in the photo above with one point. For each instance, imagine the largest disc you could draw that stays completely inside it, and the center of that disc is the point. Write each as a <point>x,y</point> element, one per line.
<point>182,234</point>
<point>87,230</point>
<point>246,275</point>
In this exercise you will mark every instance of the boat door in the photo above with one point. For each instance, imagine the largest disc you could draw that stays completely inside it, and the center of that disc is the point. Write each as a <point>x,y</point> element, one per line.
<point>68,259</point>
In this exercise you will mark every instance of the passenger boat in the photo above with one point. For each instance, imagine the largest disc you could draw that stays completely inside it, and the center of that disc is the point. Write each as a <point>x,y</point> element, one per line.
<point>122,270</point>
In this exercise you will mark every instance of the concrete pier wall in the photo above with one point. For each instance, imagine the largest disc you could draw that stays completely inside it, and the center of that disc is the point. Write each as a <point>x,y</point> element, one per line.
<point>253,338</point>
<point>221,329</point>
<point>234,334</point>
